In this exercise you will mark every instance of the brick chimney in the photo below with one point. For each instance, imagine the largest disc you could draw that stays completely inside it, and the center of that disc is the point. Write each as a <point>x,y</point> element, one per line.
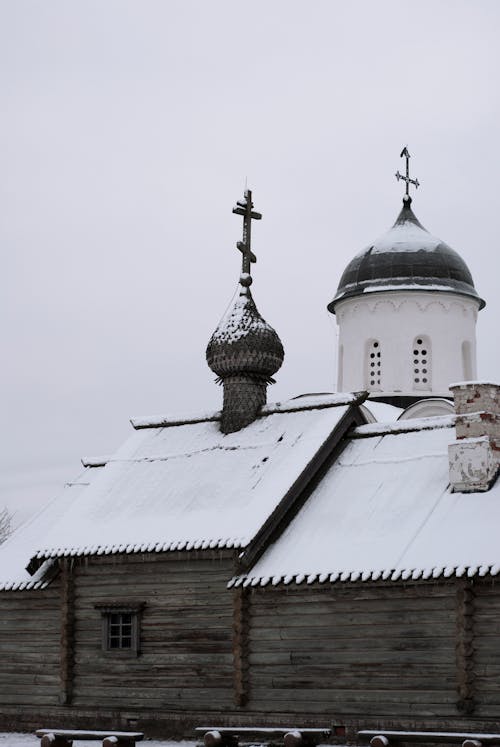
<point>475,456</point>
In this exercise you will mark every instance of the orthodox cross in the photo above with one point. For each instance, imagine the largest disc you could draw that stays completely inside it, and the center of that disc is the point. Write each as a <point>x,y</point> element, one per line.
<point>406,178</point>
<point>244,208</point>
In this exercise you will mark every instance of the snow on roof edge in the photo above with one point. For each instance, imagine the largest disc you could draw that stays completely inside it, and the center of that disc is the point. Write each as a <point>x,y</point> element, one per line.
<point>398,574</point>
<point>404,426</point>
<point>130,549</point>
<point>297,404</point>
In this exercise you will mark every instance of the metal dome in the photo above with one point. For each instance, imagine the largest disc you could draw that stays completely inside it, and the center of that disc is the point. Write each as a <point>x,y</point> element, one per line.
<point>406,257</point>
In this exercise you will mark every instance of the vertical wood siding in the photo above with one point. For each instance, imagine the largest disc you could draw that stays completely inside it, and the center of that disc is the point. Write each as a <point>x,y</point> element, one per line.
<point>186,647</point>
<point>30,647</point>
<point>360,651</point>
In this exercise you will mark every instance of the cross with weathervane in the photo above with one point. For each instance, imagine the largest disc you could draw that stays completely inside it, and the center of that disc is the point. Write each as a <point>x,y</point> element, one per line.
<point>406,178</point>
<point>244,208</point>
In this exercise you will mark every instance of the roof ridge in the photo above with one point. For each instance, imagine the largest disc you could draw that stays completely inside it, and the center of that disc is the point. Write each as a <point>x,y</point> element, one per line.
<point>315,402</point>
<point>404,426</point>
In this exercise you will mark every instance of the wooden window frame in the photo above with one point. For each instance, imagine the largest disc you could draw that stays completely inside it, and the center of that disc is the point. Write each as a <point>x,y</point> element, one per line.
<point>107,609</point>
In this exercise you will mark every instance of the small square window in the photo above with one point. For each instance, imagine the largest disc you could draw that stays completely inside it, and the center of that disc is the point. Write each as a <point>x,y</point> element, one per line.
<point>120,627</point>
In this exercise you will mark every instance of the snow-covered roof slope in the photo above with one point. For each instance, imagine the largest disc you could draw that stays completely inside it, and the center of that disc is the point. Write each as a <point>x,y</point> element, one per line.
<point>384,510</point>
<point>16,551</point>
<point>189,486</point>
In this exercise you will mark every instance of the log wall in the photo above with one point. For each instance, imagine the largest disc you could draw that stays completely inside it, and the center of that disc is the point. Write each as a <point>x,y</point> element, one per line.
<point>406,655</point>
<point>30,647</point>
<point>186,654</point>
<point>363,651</point>
<point>486,646</point>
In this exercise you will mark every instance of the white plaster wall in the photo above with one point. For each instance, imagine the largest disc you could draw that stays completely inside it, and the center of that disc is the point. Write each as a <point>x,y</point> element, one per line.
<point>395,319</point>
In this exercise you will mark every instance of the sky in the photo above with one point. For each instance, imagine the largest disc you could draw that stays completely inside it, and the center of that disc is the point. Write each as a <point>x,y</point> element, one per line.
<point>129,128</point>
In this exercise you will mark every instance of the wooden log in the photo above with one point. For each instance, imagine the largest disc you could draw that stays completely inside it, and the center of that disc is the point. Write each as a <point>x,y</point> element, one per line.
<point>212,738</point>
<point>293,738</point>
<point>379,741</point>
<point>51,740</point>
<point>240,646</point>
<point>67,632</point>
<point>465,646</point>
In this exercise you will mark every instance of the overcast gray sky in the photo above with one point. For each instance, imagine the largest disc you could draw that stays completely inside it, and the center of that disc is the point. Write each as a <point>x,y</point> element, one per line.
<point>127,129</point>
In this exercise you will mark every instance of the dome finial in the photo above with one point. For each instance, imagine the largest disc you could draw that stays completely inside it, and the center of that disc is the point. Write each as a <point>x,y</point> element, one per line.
<point>244,208</point>
<point>407,199</point>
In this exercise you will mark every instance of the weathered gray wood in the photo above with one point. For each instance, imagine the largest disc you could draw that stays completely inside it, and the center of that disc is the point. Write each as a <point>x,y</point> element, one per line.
<point>365,649</point>
<point>67,629</point>
<point>240,646</point>
<point>29,646</point>
<point>187,656</point>
<point>465,645</point>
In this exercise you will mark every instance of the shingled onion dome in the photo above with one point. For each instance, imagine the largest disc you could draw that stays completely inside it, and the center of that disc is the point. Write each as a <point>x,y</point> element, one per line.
<point>244,351</point>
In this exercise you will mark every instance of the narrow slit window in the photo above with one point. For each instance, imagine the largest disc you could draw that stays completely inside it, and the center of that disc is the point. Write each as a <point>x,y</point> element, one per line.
<point>422,363</point>
<point>373,365</point>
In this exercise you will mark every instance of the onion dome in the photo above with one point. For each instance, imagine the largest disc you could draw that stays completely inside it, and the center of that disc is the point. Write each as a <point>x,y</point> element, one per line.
<point>244,343</point>
<point>407,257</point>
<point>244,351</point>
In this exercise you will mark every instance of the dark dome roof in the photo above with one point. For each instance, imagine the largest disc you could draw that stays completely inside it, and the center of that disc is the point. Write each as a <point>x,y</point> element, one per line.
<point>244,343</point>
<point>406,257</point>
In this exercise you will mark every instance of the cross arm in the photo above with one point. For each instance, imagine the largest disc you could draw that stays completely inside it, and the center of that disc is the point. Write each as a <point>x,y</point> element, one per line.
<point>245,251</point>
<point>242,211</point>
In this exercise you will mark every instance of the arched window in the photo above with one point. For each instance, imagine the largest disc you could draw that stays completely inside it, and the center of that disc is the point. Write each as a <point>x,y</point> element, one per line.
<point>467,360</point>
<point>422,363</point>
<point>373,365</point>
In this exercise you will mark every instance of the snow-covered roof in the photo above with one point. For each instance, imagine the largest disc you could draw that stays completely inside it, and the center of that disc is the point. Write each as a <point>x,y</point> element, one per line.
<point>16,551</point>
<point>182,486</point>
<point>384,510</point>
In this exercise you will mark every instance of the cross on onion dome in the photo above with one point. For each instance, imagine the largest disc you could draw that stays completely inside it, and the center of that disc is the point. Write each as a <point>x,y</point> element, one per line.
<point>406,178</point>
<point>244,208</point>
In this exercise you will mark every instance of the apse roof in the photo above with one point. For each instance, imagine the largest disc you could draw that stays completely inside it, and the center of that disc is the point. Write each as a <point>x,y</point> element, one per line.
<point>406,257</point>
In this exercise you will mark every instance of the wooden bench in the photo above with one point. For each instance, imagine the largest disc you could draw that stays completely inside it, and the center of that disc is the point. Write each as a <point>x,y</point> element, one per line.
<point>221,736</point>
<point>64,737</point>
<point>386,738</point>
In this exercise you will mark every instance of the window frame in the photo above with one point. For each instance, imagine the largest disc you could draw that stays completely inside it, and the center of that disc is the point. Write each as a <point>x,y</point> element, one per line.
<point>107,610</point>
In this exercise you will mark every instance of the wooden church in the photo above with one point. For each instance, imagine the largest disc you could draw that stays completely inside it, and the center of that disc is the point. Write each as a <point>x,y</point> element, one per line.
<point>329,561</point>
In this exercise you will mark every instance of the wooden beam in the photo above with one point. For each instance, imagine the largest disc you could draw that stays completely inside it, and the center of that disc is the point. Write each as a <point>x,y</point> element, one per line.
<point>67,631</point>
<point>241,611</point>
<point>464,646</point>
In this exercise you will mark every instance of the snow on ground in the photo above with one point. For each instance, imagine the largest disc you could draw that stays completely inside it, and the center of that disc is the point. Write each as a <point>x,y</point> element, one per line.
<point>29,740</point>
